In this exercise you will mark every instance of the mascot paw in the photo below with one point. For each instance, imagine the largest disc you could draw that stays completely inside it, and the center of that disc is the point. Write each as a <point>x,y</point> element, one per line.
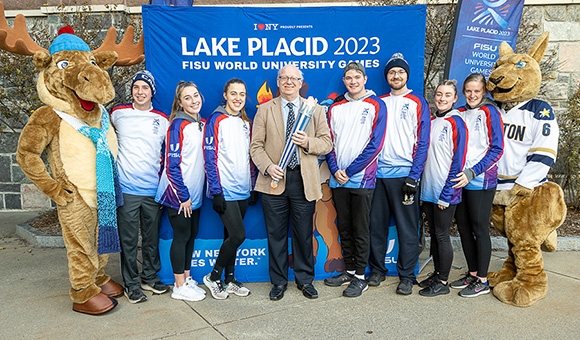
<point>64,195</point>
<point>334,265</point>
<point>519,190</point>
<point>503,198</point>
<point>551,242</point>
<point>504,274</point>
<point>520,294</point>
<point>98,304</point>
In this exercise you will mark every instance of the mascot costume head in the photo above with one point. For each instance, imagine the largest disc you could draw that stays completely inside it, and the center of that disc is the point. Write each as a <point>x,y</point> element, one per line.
<point>527,207</point>
<point>73,128</point>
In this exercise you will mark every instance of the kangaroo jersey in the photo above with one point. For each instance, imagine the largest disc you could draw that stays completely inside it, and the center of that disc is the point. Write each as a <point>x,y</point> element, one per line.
<point>530,144</point>
<point>407,137</point>
<point>357,129</point>
<point>183,175</point>
<point>227,156</point>
<point>445,159</point>
<point>485,145</point>
<point>140,135</point>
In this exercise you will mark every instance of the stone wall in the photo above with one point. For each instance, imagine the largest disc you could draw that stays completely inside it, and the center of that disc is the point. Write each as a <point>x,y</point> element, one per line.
<point>562,21</point>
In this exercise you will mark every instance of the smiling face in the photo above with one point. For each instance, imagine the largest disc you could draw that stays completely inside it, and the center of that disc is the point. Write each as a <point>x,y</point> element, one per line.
<point>289,82</point>
<point>397,79</point>
<point>190,100</point>
<point>355,83</point>
<point>235,97</point>
<point>142,95</point>
<point>474,92</point>
<point>445,97</point>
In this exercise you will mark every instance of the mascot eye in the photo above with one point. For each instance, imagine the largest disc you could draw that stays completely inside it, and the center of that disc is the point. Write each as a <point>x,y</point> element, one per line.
<point>62,64</point>
<point>521,64</point>
<point>94,62</point>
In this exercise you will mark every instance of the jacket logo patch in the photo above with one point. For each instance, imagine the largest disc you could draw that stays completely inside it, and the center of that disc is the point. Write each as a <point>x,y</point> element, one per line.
<point>364,115</point>
<point>156,124</point>
<point>404,111</point>
<point>443,134</point>
<point>478,123</point>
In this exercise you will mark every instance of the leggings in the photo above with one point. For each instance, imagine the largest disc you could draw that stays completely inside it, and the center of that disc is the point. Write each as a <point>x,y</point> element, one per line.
<point>184,233</point>
<point>473,224</point>
<point>234,234</point>
<point>441,249</point>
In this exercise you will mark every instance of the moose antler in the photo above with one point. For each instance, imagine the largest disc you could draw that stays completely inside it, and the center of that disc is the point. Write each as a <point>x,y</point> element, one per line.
<point>16,40</point>
<point>129,53</point>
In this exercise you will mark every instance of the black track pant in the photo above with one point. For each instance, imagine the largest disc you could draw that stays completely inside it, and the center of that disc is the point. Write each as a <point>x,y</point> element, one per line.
<point>234,234</point>
<point>439,223</point>
<point>472,218</point>
<point>184,233</point>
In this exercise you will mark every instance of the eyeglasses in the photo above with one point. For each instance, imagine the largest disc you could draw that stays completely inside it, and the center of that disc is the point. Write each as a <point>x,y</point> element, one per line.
<point>284,79</point>
<point>393,73</point>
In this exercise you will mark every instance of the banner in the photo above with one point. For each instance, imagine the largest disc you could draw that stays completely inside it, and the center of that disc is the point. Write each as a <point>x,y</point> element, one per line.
<point>480,27</point>
<point>210,45</point>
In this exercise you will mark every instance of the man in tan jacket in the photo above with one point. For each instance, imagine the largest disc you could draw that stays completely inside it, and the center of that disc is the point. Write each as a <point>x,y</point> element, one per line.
<point>294,199</point>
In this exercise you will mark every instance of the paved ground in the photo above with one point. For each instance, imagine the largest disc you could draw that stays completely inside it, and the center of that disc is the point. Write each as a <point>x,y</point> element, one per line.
<point>34,304</point>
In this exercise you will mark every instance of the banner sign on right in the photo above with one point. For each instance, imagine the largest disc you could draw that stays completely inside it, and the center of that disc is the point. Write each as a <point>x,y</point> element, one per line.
<point>480,27</point>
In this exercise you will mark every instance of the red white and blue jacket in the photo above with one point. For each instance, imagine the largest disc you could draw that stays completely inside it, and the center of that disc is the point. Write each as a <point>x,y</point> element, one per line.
<point>228,167</point>
<point>140,135</point>
<point>357,128</point>
<point>485,128</point>
<point>531,144</point>
<point>445,159</point>
<point>183,176</point>
<point>407,136</point>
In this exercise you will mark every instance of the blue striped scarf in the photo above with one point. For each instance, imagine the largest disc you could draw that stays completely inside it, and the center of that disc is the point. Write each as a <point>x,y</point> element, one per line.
<point>109,194</point>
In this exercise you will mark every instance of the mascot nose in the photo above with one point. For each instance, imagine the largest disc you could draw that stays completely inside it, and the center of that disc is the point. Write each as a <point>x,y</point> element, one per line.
<point>496,81</point>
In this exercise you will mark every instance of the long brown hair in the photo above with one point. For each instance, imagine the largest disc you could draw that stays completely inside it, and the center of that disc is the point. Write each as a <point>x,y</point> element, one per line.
<point>244,115</point>
<point>180,86</point>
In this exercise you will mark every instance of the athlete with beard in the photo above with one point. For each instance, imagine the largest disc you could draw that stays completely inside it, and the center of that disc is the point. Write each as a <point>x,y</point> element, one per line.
<point>400,166</point>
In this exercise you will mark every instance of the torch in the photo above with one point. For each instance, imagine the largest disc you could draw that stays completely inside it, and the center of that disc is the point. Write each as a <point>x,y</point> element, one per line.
<point>304,116</point>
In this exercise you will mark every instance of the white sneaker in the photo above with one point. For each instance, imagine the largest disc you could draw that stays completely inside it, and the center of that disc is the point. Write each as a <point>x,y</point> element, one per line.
<point>191,283</point>
<point>215,288</point>
<point>185,293</point>
<point>237,288</point>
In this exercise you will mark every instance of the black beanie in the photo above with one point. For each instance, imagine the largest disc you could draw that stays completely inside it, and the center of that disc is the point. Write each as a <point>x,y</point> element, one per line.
<point>397,60</point>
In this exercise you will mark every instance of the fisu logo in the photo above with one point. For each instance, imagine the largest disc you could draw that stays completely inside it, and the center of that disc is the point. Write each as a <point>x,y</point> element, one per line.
<point>208,140</point>
<point>404,111</point>
<point>364,115</point>
<point>488,11</point>
<point>443,134</point>
<point>174,147</point>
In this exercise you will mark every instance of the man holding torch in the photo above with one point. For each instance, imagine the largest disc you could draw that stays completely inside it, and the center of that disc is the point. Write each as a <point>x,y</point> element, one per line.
<point>290,186</point>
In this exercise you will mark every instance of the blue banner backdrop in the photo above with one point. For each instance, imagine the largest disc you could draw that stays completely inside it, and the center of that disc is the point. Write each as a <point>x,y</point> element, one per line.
<point>480,28</point>
<point>210,45</point>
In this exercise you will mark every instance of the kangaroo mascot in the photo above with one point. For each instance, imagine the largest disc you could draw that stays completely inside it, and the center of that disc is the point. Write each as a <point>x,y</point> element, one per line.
<point>527,208</point>
<point>73,128</point>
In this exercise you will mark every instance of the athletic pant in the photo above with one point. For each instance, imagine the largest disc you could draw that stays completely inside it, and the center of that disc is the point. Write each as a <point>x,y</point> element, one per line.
<point>353,207</point>
<point>387,201</point>
<point>234,234</point>
<point>143,211</point>
<point>473,223</point>
<point>184,233</point>
<point>439,223</point>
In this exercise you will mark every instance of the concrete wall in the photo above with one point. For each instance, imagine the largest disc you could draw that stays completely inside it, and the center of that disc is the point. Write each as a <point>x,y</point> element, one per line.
<point>560,18</point>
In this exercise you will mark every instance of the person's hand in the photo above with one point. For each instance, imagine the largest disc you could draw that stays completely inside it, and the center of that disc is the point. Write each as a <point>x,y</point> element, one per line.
<point>253,198</point>
<point>300,138</point>
<point>463,178</point>
<point>441,207</point>
<point>461,181</point>
<point>219,203</point>
<point>186,207</point>
<point>341,177</point>
<point>410,186</point>
<point>275,172</point>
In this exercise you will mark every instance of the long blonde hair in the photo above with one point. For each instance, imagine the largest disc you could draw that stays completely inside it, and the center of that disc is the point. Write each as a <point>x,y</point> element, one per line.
<point>244,115</point>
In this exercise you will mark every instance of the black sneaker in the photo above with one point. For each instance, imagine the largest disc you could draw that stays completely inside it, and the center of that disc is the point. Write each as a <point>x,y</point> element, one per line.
<point>134,295</point>
<point>157,287</point>
<point>463,282</point>
<point>427,282</point>
<point>405,287</point>
<point>436,288</point>
<point>355,288</point>
<point>375,279</point>
<point>474,289</point>
<point>339,280</point>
